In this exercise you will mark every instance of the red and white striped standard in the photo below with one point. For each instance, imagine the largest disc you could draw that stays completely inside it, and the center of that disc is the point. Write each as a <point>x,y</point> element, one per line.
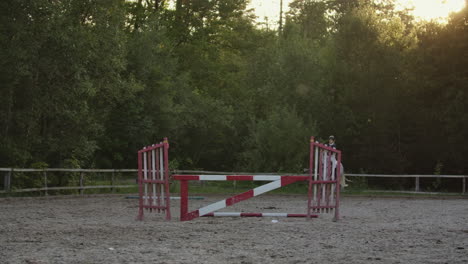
<point>153,179</point>
<point>325,174</point>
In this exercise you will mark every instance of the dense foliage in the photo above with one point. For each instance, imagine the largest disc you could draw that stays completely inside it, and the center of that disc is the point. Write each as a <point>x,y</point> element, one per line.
<point>88,83</point>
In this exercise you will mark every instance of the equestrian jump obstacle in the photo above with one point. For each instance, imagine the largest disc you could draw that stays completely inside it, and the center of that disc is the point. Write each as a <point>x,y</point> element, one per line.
<point>323,188</point>
<point>153,179</point>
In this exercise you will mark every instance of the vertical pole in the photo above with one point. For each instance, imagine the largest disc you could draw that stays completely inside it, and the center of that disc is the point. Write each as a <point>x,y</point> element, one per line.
<point>183,200</point>
<point>45,182</point>
<point>145,176</point>
<point>154,159</point>
<point>326,170</point>
<point>311,164</point>
<point>464,185</point>
<point>7,180</point>
<point>416,185</point>
<point>316,175</point>
<point>140,187</point>
<point>333,178</point>
<point>81,183</point>
<point>158,177</point>
<point>113,181</point>
<point>338,188</point>
<point>162,185</point>
<point>150,184</point>
<point>166,180</point>
<point>328,186</point>
<point>322,170</point>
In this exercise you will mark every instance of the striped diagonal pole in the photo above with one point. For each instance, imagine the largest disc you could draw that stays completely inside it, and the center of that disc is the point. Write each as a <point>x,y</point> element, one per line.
<point>277,182</point>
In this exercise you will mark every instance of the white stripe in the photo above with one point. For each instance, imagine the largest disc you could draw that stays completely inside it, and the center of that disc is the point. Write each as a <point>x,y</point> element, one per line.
<point>324,177</point>
<point>145,168</point>
<point>212,177</point>
<point>226,214</point>
<point>224,177</point>
<point>212,207</point>
<point>275,214</point>
<point>267,187</point>
<point>324,166</point>
<point>266,178</point>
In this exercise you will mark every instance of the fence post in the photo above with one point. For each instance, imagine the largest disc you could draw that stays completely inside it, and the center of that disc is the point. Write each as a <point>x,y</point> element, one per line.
<point>7,181</point>
<point>81,183</point>
<point>416,188</point>
<point>45,182</point>
<point>464,185</point>
<point>112,181</point>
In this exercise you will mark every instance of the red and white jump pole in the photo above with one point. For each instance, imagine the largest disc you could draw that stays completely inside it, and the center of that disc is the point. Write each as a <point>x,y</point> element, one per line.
<point>237,214</point>
<point>275,183</point>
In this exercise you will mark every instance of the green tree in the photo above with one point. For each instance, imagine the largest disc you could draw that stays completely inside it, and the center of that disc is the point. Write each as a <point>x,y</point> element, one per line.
<point>277,143</point>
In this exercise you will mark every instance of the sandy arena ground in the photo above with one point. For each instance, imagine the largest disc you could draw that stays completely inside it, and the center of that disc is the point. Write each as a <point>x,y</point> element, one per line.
<point>102,229</point>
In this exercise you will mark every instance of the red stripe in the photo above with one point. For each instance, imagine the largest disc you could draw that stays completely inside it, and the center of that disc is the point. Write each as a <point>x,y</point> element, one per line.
<point>302,215</point>
<point>251,214</point>
<point>239,177</point>
<point>191,216</point>
<point>240,197</point>
<point>321,146</point>
<point>285,180</point>
<point>149,148</point>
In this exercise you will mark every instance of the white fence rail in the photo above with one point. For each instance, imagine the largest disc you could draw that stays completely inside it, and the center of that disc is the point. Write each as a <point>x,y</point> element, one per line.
<point>416,178</point>
<point>9,172</point>
<point>8,176</point>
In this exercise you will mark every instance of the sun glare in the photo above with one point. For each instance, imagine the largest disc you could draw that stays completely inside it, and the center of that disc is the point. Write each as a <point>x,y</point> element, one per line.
<point>433,9</point>
<point>423,9</point>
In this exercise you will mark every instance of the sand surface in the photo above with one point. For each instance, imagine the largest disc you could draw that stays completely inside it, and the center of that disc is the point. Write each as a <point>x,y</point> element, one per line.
<point>102,229</point>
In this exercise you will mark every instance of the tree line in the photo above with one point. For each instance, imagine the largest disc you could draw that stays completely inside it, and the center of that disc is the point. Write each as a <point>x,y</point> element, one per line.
<point>88,83</point>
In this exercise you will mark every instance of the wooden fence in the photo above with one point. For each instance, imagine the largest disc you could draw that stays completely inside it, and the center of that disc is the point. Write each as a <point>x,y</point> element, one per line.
<point>8,174</point>
<point>416,178</point>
